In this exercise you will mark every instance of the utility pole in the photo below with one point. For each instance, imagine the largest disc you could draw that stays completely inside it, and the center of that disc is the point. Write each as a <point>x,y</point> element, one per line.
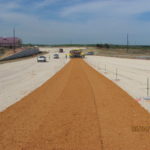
<point>127,43</point>
<point>147,87</point>
<point>14,40</point>
<point>71,42</point>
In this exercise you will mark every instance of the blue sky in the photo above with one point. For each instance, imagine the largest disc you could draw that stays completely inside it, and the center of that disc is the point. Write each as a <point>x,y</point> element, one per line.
<point>76,21</point>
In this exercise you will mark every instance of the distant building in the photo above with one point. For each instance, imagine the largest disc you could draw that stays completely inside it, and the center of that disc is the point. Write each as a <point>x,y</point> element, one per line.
<point>10,42</point>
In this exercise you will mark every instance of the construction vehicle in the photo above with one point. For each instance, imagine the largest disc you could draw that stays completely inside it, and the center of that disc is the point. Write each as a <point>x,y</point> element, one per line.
<point>76,54</point>
<point>61,50</point>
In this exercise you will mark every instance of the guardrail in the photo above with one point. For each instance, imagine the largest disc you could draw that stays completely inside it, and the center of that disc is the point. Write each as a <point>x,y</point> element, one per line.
<point>24,53</point>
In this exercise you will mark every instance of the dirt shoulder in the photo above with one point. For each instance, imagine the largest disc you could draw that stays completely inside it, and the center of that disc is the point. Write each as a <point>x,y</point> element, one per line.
<point>121,52</point>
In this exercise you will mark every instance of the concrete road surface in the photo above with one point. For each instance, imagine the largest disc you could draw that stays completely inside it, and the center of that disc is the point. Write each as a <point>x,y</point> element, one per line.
<point>77,109</point>
<point>19,78</point>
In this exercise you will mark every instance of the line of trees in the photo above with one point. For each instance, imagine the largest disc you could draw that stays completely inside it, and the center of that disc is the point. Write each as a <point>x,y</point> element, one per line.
<point>103,45</point>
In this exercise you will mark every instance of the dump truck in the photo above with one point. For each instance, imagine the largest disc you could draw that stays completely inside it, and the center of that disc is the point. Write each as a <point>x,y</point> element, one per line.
<point>61,50</point>
<point>76,54</point>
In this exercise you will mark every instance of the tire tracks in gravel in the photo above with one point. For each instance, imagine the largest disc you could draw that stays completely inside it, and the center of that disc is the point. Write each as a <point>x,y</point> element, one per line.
<point>72,123</point>
<point>97,114</point>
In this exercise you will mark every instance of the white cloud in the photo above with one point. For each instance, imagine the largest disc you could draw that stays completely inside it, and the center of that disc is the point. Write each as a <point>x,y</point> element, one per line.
<point>8,6</point>
<point>44,3</point>
<point>117,7</point>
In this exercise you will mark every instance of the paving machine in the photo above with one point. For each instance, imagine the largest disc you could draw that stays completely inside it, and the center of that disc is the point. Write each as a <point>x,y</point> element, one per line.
<point>76,54</point>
